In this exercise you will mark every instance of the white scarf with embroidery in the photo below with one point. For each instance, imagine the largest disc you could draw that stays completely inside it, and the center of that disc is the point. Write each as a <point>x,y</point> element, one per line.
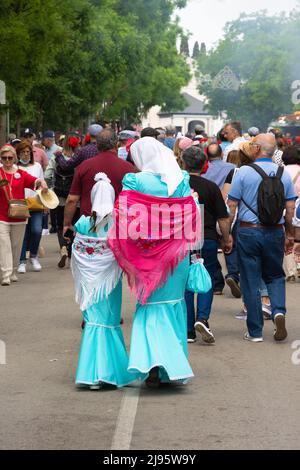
<point>95,270</point>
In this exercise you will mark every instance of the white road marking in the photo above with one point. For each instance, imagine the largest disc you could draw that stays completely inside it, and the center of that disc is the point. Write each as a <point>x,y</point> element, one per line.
<point>125,422</point>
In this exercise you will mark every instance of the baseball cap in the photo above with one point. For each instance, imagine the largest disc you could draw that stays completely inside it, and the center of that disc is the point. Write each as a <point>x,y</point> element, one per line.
<point>95,129</point>
<point>27,131</point>
<point>253,131</point>
<point>48,135</point>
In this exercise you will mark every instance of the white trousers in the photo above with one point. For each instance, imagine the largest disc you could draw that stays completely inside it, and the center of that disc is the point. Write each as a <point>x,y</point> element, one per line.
<point>290,265</point>
<point>11,240</point>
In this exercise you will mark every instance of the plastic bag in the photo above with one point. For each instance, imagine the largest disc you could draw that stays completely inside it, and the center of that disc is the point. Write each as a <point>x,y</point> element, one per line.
<point>199,281</point>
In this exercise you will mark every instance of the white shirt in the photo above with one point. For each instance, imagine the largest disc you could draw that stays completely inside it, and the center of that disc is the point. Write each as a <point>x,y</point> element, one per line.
<point>34,170</point>
<point>235,145</point>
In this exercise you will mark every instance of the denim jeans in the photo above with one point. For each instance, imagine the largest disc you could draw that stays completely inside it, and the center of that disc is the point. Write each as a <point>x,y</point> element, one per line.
<point>204,301</point>
<point>33,235</point>
<point>260,256</point>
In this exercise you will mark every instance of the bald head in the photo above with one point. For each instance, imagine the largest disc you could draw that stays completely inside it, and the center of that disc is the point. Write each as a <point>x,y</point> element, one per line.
<point>214,151</point>
<point>266,145</point>
<point>107,140</point>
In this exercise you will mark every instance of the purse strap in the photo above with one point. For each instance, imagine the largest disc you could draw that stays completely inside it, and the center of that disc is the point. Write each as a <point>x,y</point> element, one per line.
<point>296,178</point>
<point>4,189</point>
<point>6,195</point>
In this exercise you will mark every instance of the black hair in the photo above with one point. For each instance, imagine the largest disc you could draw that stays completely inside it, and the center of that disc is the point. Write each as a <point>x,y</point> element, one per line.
<point>291,156</point>
<point>194,158</point>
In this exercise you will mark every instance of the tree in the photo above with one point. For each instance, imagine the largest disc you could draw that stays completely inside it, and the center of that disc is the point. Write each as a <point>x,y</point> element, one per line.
<point>203,48</point>
<point>66,61</point>
<point>184,46</point>
<point>261,52</point>
<point>196,50</point>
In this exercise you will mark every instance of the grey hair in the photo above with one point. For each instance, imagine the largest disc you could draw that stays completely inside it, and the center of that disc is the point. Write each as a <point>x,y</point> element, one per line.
<point>107,140</point>
<point>267,149</point>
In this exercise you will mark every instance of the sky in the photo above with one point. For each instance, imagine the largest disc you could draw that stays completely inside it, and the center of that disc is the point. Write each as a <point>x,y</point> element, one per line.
<point>205,19</point>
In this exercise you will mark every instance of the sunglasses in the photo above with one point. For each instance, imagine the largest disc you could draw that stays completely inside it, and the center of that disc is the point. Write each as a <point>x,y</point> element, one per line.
<point>10,159</point>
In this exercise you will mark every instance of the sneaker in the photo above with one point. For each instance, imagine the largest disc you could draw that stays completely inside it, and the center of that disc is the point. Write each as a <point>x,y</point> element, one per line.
<point>242,315</point>
<point>267,311</point>
<point>218,292</point>
<point>192,338</point>
<point>247,337</point>
<point>202,327</point>
<point>53,230</point>
<point>45,232</point>
<point>234,287</point>
<point>63,259</point>
<point>5,282</point>
<point>22,268</point>
<point>35,264</point>
<point>280,333</point>
<point>14,278</point>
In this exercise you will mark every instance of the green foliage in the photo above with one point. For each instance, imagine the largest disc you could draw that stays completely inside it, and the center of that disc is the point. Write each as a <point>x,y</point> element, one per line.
<point>196,50</point>
<point>64,62</point>
<point>184,46</point>
<point>263,53</point>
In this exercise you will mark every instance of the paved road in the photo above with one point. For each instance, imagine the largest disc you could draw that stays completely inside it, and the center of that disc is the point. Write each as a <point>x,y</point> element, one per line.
<point>244,396</point>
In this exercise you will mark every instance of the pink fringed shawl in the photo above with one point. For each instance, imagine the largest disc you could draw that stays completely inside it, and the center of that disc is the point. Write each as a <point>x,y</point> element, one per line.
<point>151,235</point>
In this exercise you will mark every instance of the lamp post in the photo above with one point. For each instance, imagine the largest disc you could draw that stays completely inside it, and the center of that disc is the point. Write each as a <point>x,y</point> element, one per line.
<point>3,111</point>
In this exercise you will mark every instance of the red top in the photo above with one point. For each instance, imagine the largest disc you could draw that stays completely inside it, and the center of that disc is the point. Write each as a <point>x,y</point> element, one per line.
<point>18,185</point>
<point>84,178</point>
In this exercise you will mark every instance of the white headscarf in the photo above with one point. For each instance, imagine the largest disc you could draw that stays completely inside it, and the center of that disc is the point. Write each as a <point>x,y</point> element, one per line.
<point>151,156</point>
<point>102,197</point>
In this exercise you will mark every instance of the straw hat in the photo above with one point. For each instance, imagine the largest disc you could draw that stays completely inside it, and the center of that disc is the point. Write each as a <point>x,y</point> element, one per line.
<point>48,199</point>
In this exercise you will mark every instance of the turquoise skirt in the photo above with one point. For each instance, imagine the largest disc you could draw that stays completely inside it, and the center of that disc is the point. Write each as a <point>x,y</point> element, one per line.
<point>103,356</point>
<point>159,332</point>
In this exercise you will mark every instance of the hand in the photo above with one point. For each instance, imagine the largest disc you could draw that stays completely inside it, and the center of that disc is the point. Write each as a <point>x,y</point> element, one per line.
<point>41,184</point>
<point>195,195</point>
<point>227,245</point>
<point>67,228</point>
<point>297,252</point>
<point>289,246</point>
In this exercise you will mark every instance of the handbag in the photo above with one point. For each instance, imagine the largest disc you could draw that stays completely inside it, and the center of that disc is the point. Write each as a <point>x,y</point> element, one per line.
<point>17,208</point>
<point>34,204</point>
<point>199,280</point>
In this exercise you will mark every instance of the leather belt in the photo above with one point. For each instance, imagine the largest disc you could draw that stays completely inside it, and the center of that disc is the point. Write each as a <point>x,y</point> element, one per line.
<point>266,227</point>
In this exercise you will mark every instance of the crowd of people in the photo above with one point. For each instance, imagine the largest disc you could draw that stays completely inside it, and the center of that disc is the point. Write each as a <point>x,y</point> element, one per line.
<point>241,190</point>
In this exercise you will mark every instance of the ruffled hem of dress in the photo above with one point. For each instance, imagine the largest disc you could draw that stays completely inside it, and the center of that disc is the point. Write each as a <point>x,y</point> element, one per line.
<point>184,378</point>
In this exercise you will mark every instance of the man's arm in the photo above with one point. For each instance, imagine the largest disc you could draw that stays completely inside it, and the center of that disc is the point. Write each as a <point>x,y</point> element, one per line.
<point>71,163</point>
<point>70,208</point>
<point>227,240</point>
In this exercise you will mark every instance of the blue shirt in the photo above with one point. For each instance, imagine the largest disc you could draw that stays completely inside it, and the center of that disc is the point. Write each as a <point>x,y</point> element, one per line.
<point>218,171</point>
<point>170,142</point>
<point>245,186</point>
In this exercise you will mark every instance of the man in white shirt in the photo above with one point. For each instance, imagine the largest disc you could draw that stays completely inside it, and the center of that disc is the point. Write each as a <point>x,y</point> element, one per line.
<point>233,133</point>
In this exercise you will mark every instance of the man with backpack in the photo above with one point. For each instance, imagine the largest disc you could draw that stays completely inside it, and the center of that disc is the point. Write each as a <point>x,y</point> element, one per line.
<point>261,192</point>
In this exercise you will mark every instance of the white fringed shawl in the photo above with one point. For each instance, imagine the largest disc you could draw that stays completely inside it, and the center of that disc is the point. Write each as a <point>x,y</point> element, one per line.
<point>95,270</point>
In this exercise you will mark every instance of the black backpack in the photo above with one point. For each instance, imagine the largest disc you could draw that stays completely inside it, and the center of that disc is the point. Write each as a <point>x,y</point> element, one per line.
<point>270,197</point>
<point>62,182</point>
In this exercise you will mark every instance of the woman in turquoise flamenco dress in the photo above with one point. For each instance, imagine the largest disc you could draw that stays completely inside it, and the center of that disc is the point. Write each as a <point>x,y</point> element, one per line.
<point>103,357</point>
<point>159,346</point>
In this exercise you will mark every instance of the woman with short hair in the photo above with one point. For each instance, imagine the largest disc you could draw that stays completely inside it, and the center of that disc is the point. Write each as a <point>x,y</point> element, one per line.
<point>14,181</point>
<point>34,227</point>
